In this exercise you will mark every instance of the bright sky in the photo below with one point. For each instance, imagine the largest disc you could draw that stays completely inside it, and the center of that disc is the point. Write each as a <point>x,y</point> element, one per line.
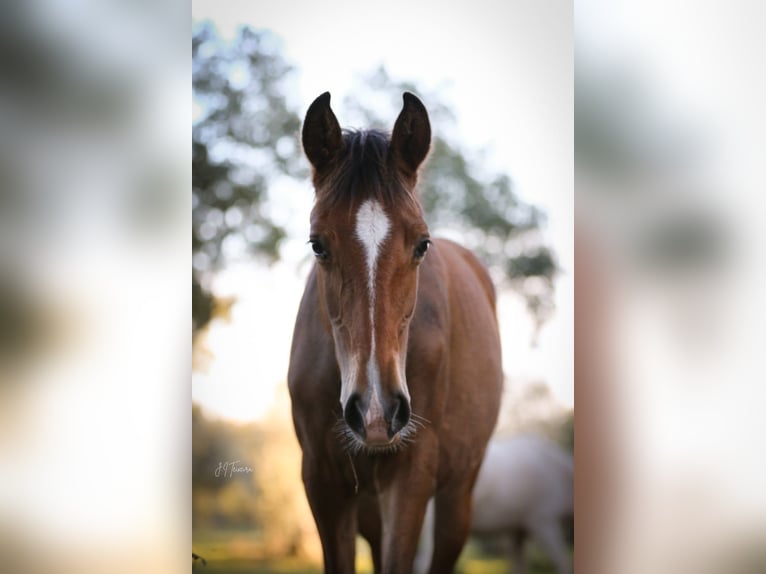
<point>504,68</point>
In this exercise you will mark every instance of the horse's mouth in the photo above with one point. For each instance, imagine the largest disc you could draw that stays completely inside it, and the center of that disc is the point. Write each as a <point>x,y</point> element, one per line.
<point>394,445</point>
<point>377,434</point>
<point>375,444</point>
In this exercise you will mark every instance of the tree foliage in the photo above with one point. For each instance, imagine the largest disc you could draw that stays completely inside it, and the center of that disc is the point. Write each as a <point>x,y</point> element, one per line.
<point>244,137</point>
<point>265,499</point>
<point>248,134</point>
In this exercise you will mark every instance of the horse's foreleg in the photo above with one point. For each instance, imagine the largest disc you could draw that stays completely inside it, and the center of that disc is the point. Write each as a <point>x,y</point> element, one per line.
<point>368,516</point>
<point>407,483</point>
<point>403,506</point>
<point>335,516</point>
<point>453,521</point>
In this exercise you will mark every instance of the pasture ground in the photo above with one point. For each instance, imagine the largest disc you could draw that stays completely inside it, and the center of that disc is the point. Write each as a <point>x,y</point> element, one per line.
<point>236,552</point>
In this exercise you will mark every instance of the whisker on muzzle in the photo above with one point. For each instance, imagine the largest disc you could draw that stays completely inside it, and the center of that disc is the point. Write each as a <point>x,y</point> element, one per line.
<point>352,444</point>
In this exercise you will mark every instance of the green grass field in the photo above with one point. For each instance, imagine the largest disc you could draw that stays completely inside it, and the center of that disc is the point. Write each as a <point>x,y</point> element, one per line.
<point>235,552</point>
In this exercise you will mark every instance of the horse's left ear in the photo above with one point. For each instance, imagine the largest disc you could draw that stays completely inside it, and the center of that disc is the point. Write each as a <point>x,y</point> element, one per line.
<point>411,137</point>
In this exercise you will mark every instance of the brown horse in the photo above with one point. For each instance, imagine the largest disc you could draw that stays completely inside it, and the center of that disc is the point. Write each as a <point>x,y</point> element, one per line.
<point>395,373</point>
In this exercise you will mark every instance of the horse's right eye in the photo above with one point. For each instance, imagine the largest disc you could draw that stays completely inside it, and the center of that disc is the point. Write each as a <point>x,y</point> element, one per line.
<point>319,250</point>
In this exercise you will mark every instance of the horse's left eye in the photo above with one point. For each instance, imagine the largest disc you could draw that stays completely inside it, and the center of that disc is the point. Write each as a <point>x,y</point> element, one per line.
<point>422,247</point>
<point>320,252</point>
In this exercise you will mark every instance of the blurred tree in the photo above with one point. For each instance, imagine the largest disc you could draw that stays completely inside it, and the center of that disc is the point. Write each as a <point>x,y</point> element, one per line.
<point>246,134</point>
<point>566,437</point>
<point>270,500</point>
<point>531,407</point>
<point>218,499</point>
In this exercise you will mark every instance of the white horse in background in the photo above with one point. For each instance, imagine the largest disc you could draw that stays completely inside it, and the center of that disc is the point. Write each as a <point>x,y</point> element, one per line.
<point>524,489</point>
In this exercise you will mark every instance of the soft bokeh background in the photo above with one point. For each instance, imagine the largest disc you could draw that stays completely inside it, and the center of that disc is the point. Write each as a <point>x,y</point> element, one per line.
<point>94,327</point>
<point>669,149</point>
<point>498,86</point>
<point>95,454</point>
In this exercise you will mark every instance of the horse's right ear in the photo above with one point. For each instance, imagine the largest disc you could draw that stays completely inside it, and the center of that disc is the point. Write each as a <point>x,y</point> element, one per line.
<point>322,138</point>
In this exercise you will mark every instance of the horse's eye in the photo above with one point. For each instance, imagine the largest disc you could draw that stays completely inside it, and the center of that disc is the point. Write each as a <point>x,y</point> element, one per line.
<point>319,250</point>
<point>422,247</point>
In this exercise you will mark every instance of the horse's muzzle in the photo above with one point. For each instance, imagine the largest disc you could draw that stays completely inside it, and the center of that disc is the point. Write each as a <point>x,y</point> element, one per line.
<point>377,422</point>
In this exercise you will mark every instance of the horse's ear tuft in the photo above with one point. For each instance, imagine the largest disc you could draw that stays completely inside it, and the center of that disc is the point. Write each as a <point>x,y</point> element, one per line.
<point>411,137</point>
<point>322,138</point>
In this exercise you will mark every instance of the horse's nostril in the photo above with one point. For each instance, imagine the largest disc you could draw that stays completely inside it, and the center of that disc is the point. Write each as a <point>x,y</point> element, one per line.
<point>354,416</point>
<point>401,415</point>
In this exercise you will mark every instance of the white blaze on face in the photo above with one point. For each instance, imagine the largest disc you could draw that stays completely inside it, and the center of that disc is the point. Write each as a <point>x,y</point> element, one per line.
<point>372,226</point>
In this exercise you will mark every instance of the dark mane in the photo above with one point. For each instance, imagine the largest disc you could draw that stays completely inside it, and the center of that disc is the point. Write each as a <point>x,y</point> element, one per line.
<point>363,172</point>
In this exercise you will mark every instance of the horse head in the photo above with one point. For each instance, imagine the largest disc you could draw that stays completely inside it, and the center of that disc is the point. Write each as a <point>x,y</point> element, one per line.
<point>368,236</point>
